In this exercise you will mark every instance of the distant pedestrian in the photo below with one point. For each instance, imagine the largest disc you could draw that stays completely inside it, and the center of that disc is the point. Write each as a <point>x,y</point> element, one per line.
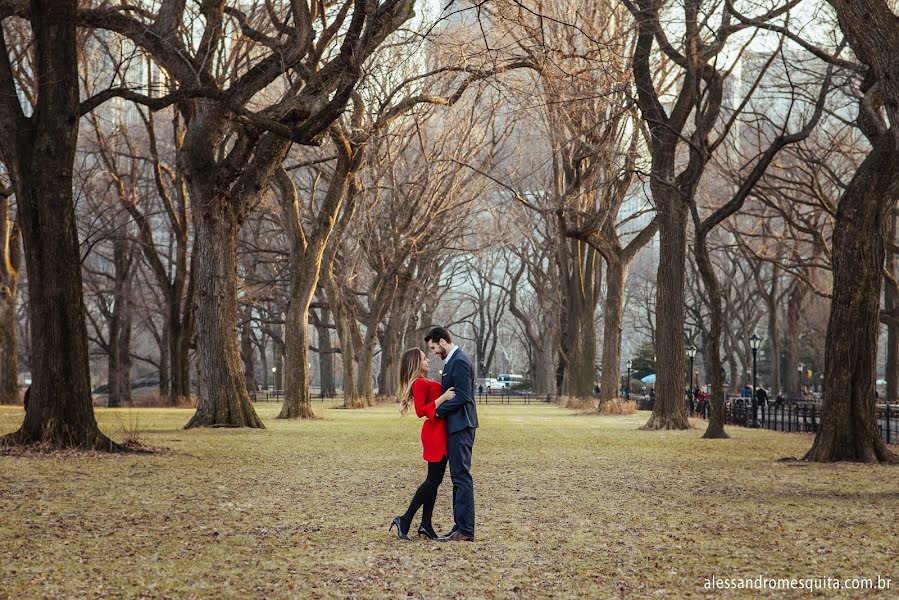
<point>761,397</point>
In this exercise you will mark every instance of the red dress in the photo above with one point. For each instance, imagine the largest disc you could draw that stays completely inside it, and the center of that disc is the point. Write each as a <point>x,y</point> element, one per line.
<point>433,431</point>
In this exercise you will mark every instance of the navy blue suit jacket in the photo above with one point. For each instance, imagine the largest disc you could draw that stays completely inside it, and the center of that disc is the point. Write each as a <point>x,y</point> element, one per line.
<point>460,412</point>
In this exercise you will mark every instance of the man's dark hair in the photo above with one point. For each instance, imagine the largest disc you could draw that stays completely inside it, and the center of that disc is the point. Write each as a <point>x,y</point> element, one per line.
<point>438,333</point>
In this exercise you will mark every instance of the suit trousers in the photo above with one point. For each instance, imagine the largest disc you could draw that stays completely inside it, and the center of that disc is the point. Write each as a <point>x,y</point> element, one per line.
<point>458,449</point>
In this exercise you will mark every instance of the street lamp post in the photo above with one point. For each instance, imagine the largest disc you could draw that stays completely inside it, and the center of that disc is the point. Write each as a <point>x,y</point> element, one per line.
<point>691,353</point>
<point>627,385</point>
<point>754,343</point>
<point>274,378</point>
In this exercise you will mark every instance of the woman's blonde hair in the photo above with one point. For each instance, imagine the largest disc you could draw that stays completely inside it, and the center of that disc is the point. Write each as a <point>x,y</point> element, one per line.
<point>410,367</point>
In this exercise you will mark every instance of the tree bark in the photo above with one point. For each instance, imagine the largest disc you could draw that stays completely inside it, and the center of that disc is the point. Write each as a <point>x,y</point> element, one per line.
<point>247,354</point>
<point>41,149</point>
<point>297,399</point>
<point>613,312</point>
<point>10,263</point>
<point>712,351</point>
<point>223,400</point>
<point>119,337</point>
<point>792,380</point>
<point>669,411</point>
<point>582,275</point>
<point>393,337</point>
<point>891,305</point>
<point>849,430</point>
<point>326,356</point>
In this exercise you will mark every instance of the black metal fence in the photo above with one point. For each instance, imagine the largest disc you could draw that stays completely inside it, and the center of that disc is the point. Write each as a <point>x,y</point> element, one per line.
<point>512,397</point>
<point>797,416</point>
<point>485,397</point>
<point>278,396</point>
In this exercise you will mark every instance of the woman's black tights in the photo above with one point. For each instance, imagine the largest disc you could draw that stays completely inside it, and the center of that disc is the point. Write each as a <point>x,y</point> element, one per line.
<point>425,497</point>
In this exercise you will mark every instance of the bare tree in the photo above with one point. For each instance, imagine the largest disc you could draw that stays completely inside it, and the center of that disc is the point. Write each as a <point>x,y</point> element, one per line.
<point>849,429</point>
<point>39,152</point>
<point>674,181</point>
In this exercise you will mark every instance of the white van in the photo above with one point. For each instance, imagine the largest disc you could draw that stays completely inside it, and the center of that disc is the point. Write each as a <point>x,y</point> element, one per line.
<point>507,380</point>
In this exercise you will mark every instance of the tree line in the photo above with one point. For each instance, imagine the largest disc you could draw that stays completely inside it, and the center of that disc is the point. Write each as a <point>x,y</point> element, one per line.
<point>200,187</point>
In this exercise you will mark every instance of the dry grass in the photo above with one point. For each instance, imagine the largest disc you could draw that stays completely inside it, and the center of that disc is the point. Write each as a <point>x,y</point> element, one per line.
<point>618,406</point>
<point>578,403</point>
<point>568,506</point>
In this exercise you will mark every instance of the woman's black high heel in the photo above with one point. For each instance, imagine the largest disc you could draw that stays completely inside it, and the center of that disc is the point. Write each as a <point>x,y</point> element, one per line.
<point>427,532</point>
<point>397,522</point>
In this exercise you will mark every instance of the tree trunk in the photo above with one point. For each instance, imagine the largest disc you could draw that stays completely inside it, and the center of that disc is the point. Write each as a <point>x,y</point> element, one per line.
<point>392,339</point>
<point>247,354</point>
<point>326,356</point>
<point>792,379</point>
<point>849,430</point>
<point>616,274</point>
<point>165,380</point>
<point>669,411</point>
<point>179,357</point>
<point>119,338</point>
<point>223,399</point>
<point>9,355</point>
<point>344,320</point>
<point>366,356</point>
<point>774,334</point>
<point>891,306</point>
<point>712,352</point>
<point>297,399</point>
<point>583,283</point>
<point>60,412</point>
<point>263,362</point>
<point>10,262</point>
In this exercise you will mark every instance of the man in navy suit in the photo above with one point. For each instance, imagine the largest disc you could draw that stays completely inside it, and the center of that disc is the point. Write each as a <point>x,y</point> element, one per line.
<point>461,422</point>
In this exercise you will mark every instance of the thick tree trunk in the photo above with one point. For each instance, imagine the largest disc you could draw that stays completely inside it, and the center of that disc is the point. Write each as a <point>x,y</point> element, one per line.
<point>326,356</point>
<point>669,411</point>
<point>546,357</point>
<point>712,352</point>
<point>223,399</point>
<point>616,274</point>
<point>60,412</point>
<point>10,263</point>
<point>849,430</point>
<point>583,282</point>
<point>297,398</point>
<point>9,355</point>
<point>393,338</point>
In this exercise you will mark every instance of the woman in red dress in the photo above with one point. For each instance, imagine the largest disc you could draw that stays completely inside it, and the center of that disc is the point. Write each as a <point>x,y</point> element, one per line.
<point>427,397</point>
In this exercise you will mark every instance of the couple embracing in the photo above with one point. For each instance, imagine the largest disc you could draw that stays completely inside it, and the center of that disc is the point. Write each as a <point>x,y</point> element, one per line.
<point>447,434</point>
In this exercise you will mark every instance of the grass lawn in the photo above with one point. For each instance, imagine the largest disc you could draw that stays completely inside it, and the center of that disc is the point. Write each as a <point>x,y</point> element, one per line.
<point>567,506</point>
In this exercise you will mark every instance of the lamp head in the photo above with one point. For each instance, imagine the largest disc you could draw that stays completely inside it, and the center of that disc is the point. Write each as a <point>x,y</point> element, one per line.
<point>754,342</point>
